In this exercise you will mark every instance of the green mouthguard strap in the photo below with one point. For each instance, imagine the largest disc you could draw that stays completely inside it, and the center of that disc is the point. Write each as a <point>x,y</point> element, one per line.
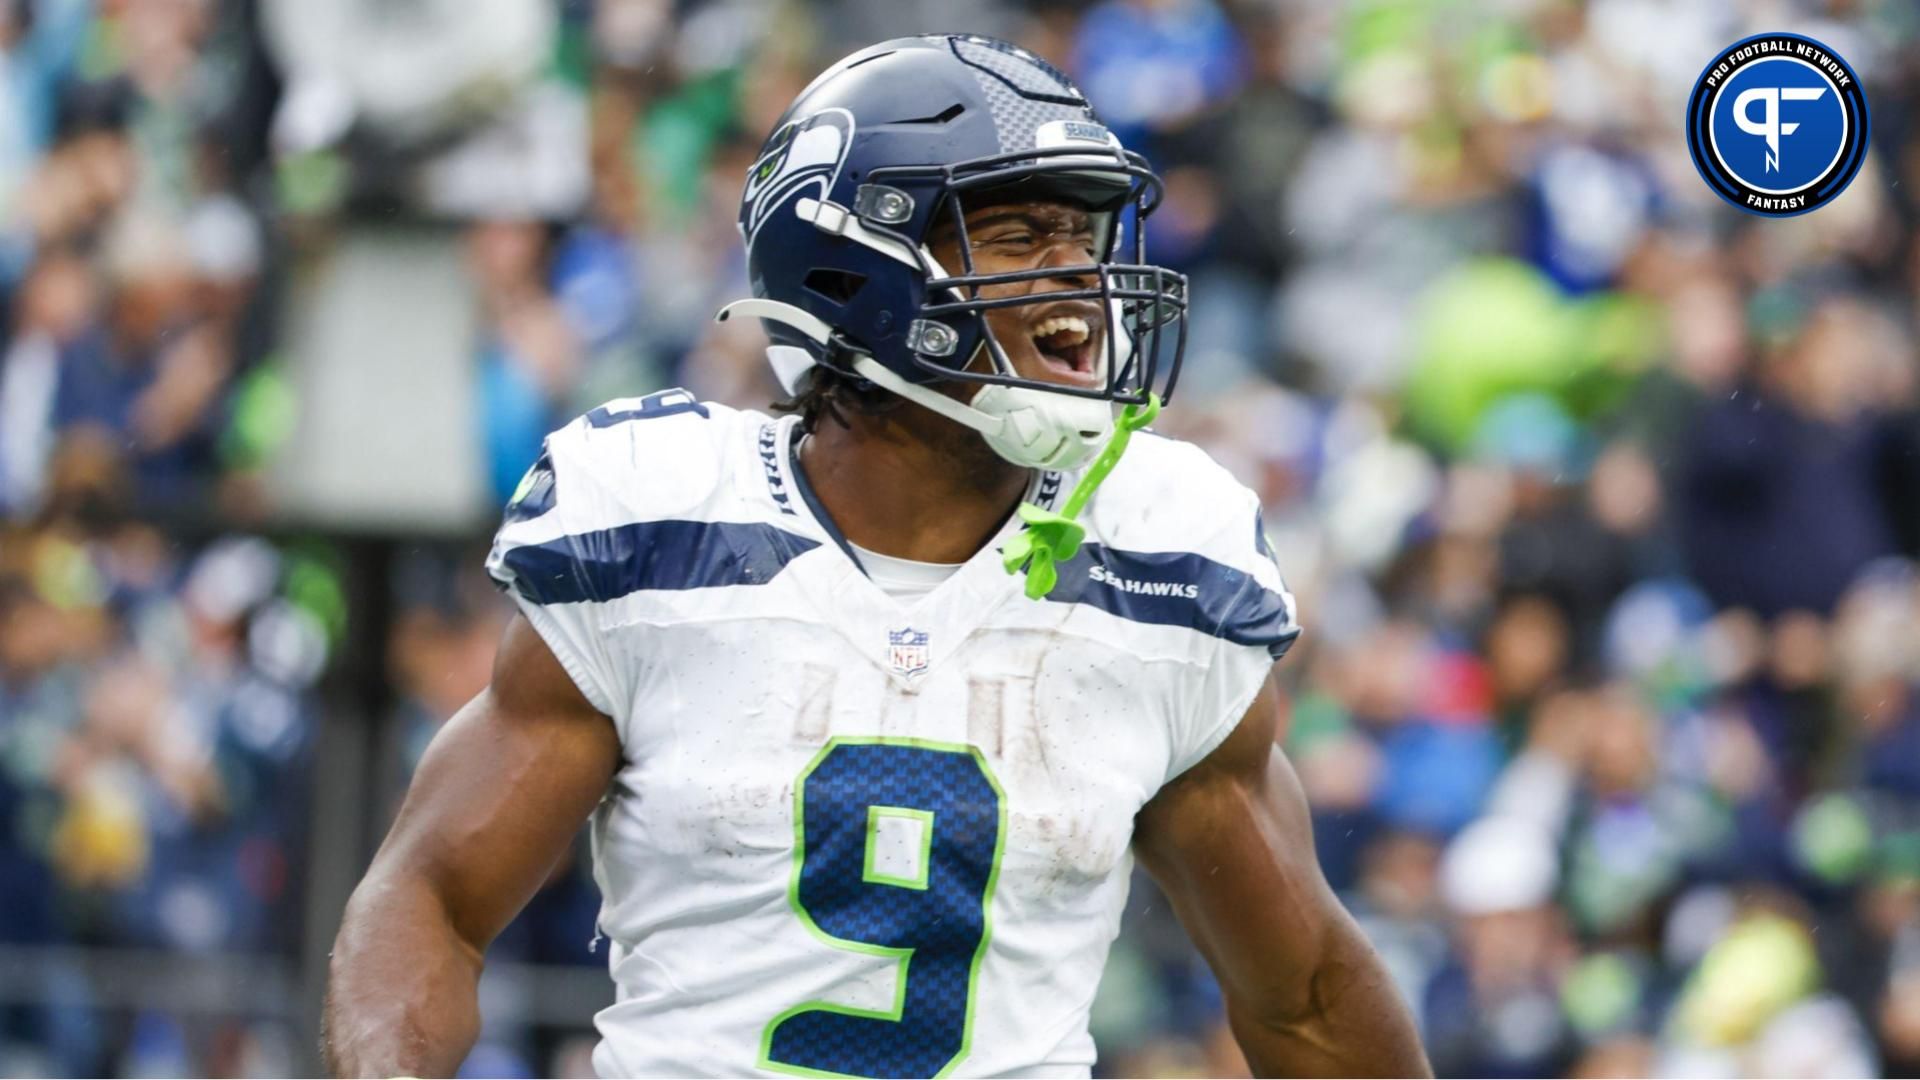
<point>1051,538</point>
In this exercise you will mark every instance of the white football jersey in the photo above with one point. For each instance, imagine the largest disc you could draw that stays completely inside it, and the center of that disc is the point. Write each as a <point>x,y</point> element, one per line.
<point>851,836</point>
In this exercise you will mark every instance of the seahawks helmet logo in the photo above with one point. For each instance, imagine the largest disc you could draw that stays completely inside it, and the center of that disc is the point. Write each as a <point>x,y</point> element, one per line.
<point>805,154</point>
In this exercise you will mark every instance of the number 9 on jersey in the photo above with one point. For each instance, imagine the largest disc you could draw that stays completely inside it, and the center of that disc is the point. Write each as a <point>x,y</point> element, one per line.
<point>897,847</point>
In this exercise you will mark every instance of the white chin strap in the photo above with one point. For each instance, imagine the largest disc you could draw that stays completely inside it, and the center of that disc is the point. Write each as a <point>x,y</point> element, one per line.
<point>1032,428</point>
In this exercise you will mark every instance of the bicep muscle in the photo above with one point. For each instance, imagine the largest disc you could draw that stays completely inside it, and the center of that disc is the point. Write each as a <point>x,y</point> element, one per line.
<point>503,788</point>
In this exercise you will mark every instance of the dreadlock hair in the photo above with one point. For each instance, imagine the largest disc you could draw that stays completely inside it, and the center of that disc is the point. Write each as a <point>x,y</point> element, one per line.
<point>828,392</point>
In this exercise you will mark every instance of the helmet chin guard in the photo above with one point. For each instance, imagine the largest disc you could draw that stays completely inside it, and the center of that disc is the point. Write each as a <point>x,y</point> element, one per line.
<point>1045,431</point>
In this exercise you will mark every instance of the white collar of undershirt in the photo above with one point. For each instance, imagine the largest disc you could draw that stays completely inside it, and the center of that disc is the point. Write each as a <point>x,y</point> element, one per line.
<point>902,579</point>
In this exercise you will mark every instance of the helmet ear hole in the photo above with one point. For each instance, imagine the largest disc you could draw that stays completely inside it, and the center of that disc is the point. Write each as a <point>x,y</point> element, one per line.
<point>834,286</point>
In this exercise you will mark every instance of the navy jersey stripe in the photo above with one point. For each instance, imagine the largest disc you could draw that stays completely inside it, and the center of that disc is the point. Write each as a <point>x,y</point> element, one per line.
<point>607,564</point>
<point>1153,587</point>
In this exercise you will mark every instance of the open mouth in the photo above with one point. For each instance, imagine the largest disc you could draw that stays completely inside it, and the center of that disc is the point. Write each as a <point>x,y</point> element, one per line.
<point>1067,343</point>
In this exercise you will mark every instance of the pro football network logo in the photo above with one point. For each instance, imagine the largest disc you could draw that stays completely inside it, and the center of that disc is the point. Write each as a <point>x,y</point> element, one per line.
<point>1777,124</point>
<point>907,651</point>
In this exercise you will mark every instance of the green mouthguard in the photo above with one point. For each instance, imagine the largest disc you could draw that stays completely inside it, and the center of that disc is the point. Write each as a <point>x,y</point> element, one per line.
<point>1051,538</point>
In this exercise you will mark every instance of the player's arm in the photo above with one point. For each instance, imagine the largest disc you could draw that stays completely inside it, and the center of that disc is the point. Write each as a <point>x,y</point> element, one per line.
<point>498,797</point>
<point>1229,842</point>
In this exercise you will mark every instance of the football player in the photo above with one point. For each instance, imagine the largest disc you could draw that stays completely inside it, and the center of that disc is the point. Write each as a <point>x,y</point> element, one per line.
<point>873,704</point>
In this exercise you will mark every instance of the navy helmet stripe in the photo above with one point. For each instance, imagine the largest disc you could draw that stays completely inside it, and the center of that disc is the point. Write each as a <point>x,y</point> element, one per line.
<point>1177,588</point>
<point>607,564</point>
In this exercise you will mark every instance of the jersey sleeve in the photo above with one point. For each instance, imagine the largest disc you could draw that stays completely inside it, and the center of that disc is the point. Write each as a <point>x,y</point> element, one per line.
<point>626,510</point>
<point>1252,627</point>
<point>570,540</point>
<point>550,559</point>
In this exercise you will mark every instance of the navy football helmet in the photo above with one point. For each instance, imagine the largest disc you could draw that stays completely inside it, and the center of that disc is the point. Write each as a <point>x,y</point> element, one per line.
<point>901,137</point>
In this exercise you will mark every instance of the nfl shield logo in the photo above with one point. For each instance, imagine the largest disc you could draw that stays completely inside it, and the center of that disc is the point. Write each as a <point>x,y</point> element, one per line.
<point>907,651</point>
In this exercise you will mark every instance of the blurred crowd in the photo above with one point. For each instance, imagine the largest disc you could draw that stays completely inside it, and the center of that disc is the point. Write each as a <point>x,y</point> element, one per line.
<point>131,252</point>
<point>1602,499</point>
<point>162,640</point>
<point>155,714</point>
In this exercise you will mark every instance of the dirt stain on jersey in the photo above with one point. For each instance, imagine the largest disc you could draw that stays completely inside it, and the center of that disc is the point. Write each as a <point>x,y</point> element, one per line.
<point>815,713</point>
<point>1037,724</point>
<point>1074,852</point>
<point>747,819</point>
<point>987,714</point>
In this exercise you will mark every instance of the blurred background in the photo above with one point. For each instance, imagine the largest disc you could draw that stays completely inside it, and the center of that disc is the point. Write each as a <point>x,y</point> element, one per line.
<point>1602,499</point>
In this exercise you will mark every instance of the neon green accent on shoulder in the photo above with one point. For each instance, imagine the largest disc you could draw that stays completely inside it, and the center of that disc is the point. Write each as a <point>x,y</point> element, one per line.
<point>1051,538</point>
<point>526,484</point>
<point>899,955</point>
<point>923,861</point>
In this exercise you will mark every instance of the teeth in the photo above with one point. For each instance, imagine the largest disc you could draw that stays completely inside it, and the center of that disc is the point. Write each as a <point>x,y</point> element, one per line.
<point>1063,324</point>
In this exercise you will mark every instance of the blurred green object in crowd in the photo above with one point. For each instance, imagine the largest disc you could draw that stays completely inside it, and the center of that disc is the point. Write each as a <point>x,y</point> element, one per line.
<point>1497,326</point>
<point>1618,868</point>
<point>1374,26</point>
<point>1619,337</point>
<point>312,183</point>
<point>1463,57</point>
<point>65,576</point>
<point>313,585</point>
<point>1763,964</point>
<point>103,55</point>
<point>1833,839</point>
<point>1316,718</point>
<point>1601,994</point>
<point>1899,857</point>
<point>264,411</point>
<point>572,61</point>
<point>678,134</point>
<point>1776,312</point>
